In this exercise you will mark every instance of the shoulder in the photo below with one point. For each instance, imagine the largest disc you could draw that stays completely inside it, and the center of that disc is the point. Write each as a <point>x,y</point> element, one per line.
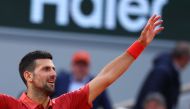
<point>6,97</point>
<point>163,63</point>
<point>162,69</point>
<point>74,98</point>
<point>8,100</point>
<point>82,92</point>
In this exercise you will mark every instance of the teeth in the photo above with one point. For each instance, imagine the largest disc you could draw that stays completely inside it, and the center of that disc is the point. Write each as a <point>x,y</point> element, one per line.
<point>51,83</point>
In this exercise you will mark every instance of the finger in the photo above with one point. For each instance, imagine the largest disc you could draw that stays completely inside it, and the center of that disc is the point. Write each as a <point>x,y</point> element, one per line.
<point>148,25</point>
<point>146,29</point>
<point>159,30</point>
<point>157,23</point>
<point>156,18</point>
<point>149,21</point>
<point>151,18</point>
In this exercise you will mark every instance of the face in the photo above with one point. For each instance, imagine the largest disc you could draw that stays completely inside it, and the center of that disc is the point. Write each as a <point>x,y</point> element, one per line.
<point>44,75</point>
<point>154,105</point>
<point>80,70</point>
<point>184,61</point>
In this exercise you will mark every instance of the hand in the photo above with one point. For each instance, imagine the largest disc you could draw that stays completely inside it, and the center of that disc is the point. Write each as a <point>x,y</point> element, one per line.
<point>152,28</point>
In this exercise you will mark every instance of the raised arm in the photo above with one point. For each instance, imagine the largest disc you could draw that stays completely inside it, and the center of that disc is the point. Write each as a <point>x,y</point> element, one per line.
<point>118,66</point>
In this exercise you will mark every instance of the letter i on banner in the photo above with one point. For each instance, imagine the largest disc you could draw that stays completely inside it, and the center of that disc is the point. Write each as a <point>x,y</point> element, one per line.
<point>110,14</point>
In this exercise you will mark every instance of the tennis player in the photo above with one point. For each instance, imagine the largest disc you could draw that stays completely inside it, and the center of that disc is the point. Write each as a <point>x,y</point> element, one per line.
<point>38,73</point>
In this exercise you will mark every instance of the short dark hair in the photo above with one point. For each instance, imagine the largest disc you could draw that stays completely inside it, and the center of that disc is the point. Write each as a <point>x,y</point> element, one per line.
<point>27,63</point>
<point>182,49</point>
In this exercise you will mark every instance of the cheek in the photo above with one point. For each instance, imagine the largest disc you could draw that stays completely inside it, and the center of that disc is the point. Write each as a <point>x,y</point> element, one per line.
<point>39,79</point>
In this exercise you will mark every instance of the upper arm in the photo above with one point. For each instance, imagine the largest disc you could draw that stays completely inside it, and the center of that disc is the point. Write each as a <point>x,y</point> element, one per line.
<point>76,99</point>
<point>2,102</point>
<point>96,87</point>
<point>110,73</point>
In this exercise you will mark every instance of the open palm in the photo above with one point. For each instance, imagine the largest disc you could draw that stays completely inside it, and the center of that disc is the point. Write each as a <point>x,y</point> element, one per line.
<point>152,28</point>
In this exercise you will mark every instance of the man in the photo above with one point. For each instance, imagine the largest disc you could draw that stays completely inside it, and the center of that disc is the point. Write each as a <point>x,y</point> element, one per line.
<point>77,78</point>
<point>38,73</point>
<point>164,78</point>
<point>154,101</point>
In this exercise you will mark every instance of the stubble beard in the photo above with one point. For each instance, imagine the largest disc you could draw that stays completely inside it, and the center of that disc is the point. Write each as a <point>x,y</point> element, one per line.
<point>48,89</point>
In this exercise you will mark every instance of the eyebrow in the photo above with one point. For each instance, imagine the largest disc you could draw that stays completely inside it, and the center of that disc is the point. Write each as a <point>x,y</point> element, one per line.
<point>49,67</point>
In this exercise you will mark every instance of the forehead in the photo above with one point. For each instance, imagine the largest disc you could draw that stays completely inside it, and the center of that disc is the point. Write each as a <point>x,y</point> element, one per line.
<point>44,62</point>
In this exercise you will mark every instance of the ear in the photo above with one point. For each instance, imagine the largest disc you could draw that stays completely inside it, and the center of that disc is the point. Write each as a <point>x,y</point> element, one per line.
<point>28,76</point>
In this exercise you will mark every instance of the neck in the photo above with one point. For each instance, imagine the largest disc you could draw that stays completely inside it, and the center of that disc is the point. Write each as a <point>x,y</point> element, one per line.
<point>39,97</point>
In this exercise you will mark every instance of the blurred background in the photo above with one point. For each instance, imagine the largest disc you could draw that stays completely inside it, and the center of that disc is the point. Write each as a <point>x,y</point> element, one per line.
<point>104,28</point>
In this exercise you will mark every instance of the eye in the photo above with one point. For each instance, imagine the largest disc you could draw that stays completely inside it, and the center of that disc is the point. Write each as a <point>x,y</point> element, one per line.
<point>54,68</point>
<point>47,69</point>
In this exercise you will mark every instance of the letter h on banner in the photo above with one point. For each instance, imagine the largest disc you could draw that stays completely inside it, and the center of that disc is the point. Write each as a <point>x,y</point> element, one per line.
<point>37,11</point>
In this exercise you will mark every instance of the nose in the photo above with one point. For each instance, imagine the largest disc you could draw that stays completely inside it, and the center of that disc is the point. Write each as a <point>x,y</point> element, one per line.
<point>53,75</point>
